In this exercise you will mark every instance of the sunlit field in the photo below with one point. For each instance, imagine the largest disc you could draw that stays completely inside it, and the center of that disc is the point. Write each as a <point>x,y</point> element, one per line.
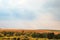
<point>29,35</point>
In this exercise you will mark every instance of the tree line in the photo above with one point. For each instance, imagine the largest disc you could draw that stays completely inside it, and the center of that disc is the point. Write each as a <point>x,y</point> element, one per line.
<point>32,34</point>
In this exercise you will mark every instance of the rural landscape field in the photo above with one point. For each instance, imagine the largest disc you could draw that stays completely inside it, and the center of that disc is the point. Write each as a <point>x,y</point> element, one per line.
<point>13,34</point>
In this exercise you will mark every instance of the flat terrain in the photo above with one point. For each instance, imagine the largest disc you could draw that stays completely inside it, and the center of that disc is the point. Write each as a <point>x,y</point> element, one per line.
<point>20,30</point>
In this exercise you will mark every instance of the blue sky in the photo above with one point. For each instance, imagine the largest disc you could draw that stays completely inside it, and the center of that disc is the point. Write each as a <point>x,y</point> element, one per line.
<point>30,14</point>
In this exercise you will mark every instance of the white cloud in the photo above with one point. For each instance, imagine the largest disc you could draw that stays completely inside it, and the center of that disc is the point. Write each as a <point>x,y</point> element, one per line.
<point>44,19</point>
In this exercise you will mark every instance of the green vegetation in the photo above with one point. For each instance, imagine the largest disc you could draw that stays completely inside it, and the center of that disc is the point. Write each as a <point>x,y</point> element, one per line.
<point>28,36</point>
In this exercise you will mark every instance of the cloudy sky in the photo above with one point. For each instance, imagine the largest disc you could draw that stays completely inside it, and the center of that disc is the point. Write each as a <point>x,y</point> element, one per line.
<point>30,14</point>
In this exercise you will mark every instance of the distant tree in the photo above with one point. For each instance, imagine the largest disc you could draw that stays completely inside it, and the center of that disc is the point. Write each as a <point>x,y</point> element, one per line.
<point>39,35</point>
<point>50,35</point>
<point>28,34</point>
<point>10,33</point>
<point>34,35</point>
<point>22,33</point>
<point>57,36</point>
<point>17,34</point>
<point>5,33</point>
<point>44,35</point>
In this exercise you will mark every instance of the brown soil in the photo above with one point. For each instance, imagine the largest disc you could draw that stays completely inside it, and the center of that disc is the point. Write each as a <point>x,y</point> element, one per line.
<point>39,31</point>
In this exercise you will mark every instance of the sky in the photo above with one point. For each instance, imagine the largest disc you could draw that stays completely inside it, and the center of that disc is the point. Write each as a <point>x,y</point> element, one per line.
<point>30,14</point>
